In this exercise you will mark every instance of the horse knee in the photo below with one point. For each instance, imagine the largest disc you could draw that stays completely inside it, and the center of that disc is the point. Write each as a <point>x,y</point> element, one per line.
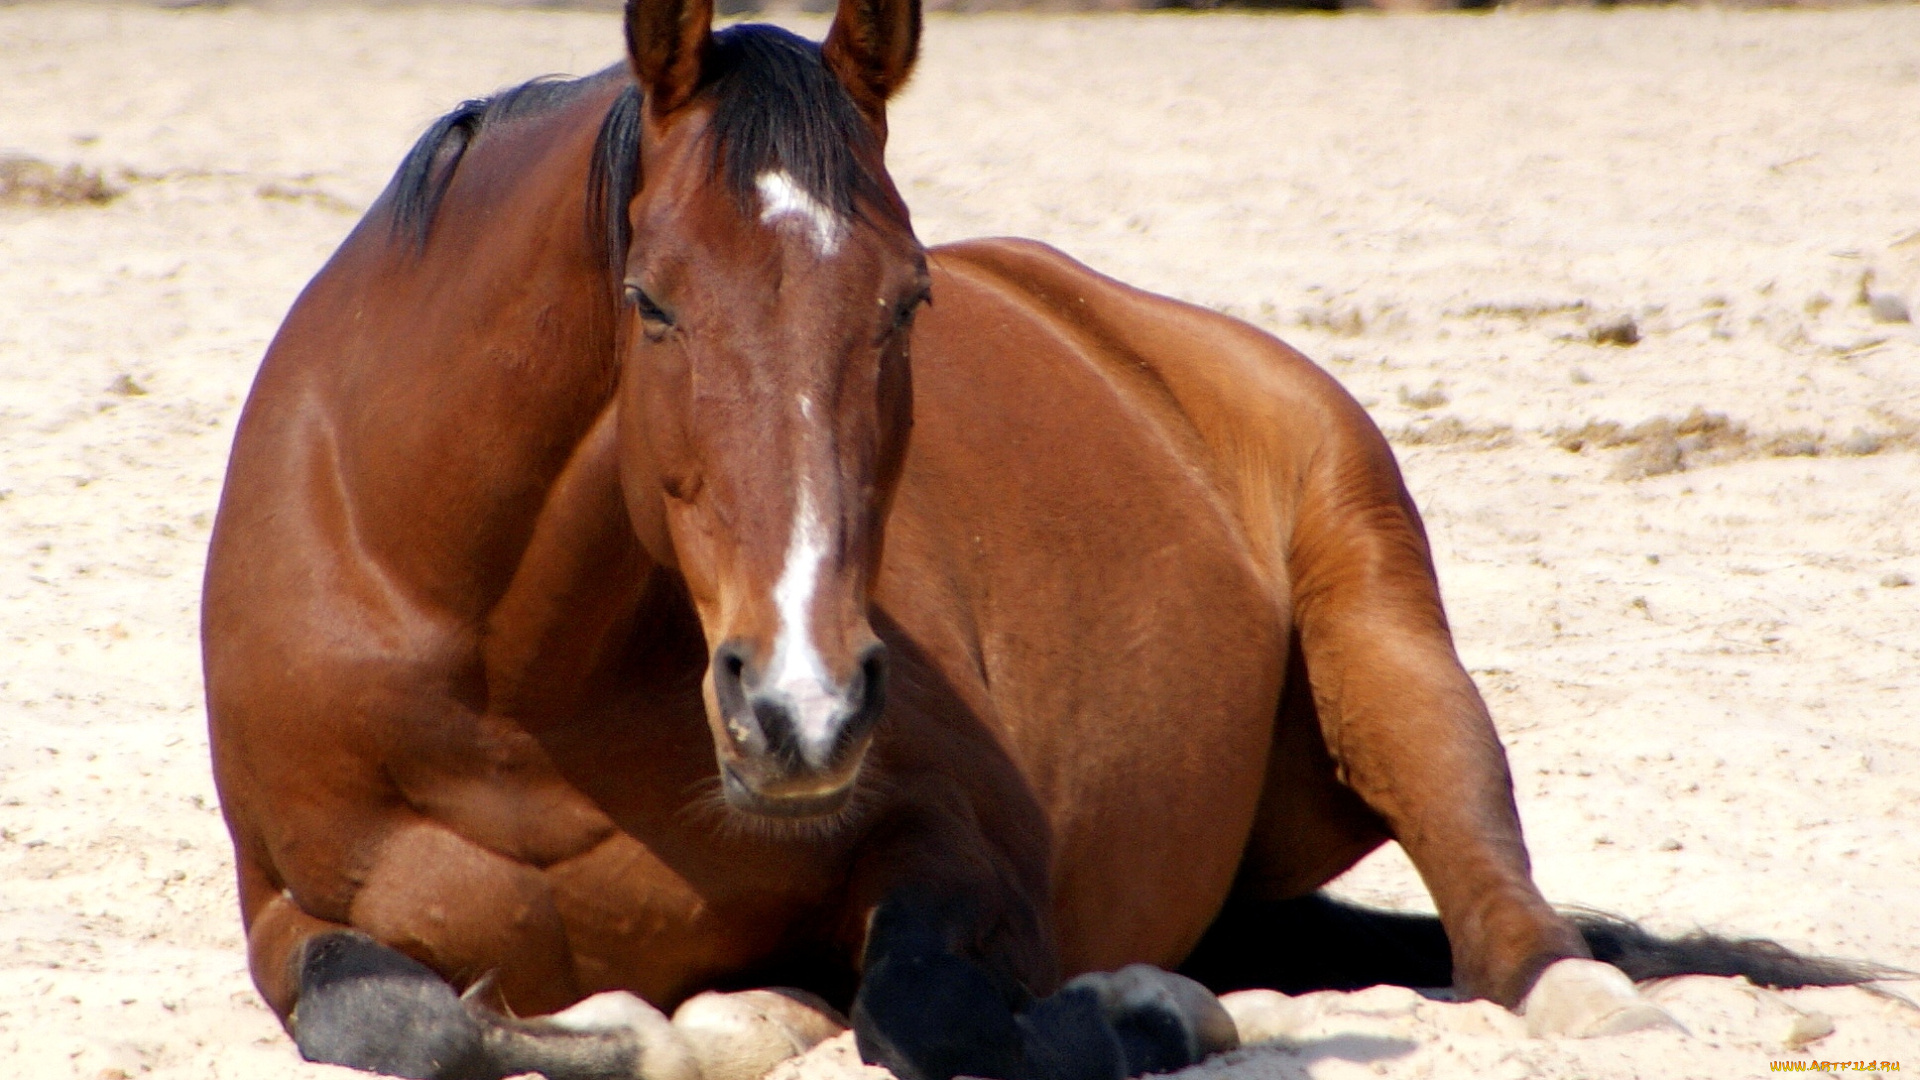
<point>367,1006</point>
<point>471,913</point>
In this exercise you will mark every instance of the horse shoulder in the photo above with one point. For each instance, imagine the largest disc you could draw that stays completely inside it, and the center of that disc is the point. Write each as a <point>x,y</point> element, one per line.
<point>451,372</point>
<point>418,423</point>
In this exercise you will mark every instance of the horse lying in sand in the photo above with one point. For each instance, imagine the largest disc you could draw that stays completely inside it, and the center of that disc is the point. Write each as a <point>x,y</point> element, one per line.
<point>645,570</point>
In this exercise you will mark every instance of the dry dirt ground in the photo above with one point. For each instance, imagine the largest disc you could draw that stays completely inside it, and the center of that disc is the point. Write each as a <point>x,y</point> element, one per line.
<point>1627,288</point>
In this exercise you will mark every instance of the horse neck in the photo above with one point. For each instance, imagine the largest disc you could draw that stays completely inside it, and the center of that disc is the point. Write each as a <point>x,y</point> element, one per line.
<point>481,350</point>
<point>515,249</point>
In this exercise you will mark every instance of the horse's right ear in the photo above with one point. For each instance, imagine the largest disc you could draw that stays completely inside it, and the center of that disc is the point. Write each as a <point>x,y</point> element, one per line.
<point>667,42</point>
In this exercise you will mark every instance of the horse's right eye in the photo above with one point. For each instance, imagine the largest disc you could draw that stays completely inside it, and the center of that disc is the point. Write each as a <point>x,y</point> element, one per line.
<point>653,315</point>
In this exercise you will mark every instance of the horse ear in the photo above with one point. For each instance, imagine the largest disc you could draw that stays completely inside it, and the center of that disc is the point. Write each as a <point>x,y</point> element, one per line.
<point>667,43</point>
<point>871,48</point>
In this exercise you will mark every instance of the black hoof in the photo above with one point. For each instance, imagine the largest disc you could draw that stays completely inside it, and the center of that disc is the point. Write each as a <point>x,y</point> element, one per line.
<point>1068,1037</point>
<point>1163,1021</point>
<point>368,1007</point>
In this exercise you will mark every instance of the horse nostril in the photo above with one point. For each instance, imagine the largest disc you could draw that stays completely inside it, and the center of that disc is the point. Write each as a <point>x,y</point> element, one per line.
<point>870,688</point>
<point>779,736</point>
<point>730,662</point>
<point>730,678</point>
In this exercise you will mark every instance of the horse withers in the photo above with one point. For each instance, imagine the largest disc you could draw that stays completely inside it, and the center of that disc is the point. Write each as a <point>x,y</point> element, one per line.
<point>644,570</point>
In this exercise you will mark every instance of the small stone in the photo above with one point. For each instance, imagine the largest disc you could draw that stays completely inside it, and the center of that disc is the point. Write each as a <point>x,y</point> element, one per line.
<point>1895,580</point>
<point>1796,444</point>
<point>1622,331</point>
<point>742,1036</point>
<point>1657,455</point>
<point>1432,397</point>
<point>126,387</point>
<point>1805,1028</point>
<point>1888,308</point>
<point>1671,845</point>
<point>1264,1015</point>
<point>1861,443</point>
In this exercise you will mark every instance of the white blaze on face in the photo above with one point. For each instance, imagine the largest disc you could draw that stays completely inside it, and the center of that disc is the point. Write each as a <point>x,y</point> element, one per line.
<point>782,199</point>
<point>797,671</point>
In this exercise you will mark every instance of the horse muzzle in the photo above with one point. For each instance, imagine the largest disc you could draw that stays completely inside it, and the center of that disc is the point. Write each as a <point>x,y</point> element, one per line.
<point>793,748</point>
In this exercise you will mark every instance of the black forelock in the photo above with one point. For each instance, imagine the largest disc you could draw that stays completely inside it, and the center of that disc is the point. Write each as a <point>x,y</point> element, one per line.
<point>776,107</point>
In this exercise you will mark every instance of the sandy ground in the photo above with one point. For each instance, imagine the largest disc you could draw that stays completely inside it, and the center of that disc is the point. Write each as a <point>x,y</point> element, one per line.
<point>1683,569</point>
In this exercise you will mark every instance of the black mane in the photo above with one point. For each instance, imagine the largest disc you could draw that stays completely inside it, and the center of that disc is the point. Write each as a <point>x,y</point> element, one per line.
<point>422,179</point>
<point>775,107</point>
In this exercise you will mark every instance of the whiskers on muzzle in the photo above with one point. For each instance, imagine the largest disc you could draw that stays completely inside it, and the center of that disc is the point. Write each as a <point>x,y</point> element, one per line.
<point>707,806</point>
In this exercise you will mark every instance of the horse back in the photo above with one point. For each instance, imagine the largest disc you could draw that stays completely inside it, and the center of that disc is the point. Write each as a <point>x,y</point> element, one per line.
<point>1271,428</point>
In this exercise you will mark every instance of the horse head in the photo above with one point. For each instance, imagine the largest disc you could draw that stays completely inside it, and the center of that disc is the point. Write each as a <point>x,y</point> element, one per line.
<point>766,396</point>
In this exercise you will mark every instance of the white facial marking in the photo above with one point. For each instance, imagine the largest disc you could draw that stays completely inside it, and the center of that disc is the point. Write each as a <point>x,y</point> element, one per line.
<point>797,670</point>
<point>781,198</point>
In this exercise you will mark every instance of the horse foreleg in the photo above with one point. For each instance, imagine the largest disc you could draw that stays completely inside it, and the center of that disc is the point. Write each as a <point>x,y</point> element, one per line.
<point>348,998</point>
<point>928,1011</point>
<point>368,1006</point>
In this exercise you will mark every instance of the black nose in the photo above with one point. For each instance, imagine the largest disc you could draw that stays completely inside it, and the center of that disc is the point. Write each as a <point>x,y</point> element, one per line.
<point>766,721</point>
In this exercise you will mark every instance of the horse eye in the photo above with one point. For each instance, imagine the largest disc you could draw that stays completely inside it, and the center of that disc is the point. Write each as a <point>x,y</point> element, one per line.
<point>649,311</point>
<point>904,313</point>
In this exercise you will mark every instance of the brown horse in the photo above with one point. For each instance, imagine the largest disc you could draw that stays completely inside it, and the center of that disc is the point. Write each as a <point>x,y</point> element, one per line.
<point>732,592</point>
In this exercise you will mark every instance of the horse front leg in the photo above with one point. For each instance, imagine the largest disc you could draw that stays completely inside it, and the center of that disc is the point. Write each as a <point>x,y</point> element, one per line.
<point>931,1008</point>
<point>348,996</point>
<point>368,1006</point>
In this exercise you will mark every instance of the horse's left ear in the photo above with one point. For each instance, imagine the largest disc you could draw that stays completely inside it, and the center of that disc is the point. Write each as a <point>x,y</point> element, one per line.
<point>667,43</point>
<point>871,48</point>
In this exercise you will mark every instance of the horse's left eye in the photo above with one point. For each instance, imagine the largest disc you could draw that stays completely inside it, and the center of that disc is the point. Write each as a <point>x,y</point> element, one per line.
<point>903,312</point>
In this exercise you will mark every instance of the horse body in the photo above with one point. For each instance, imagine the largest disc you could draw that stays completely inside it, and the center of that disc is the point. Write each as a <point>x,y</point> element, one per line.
<point>643,567</point>
<point>454,519</point>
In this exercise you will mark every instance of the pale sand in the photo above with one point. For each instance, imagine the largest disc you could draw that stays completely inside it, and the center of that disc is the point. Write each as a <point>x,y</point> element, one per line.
<point>1708,678</point>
